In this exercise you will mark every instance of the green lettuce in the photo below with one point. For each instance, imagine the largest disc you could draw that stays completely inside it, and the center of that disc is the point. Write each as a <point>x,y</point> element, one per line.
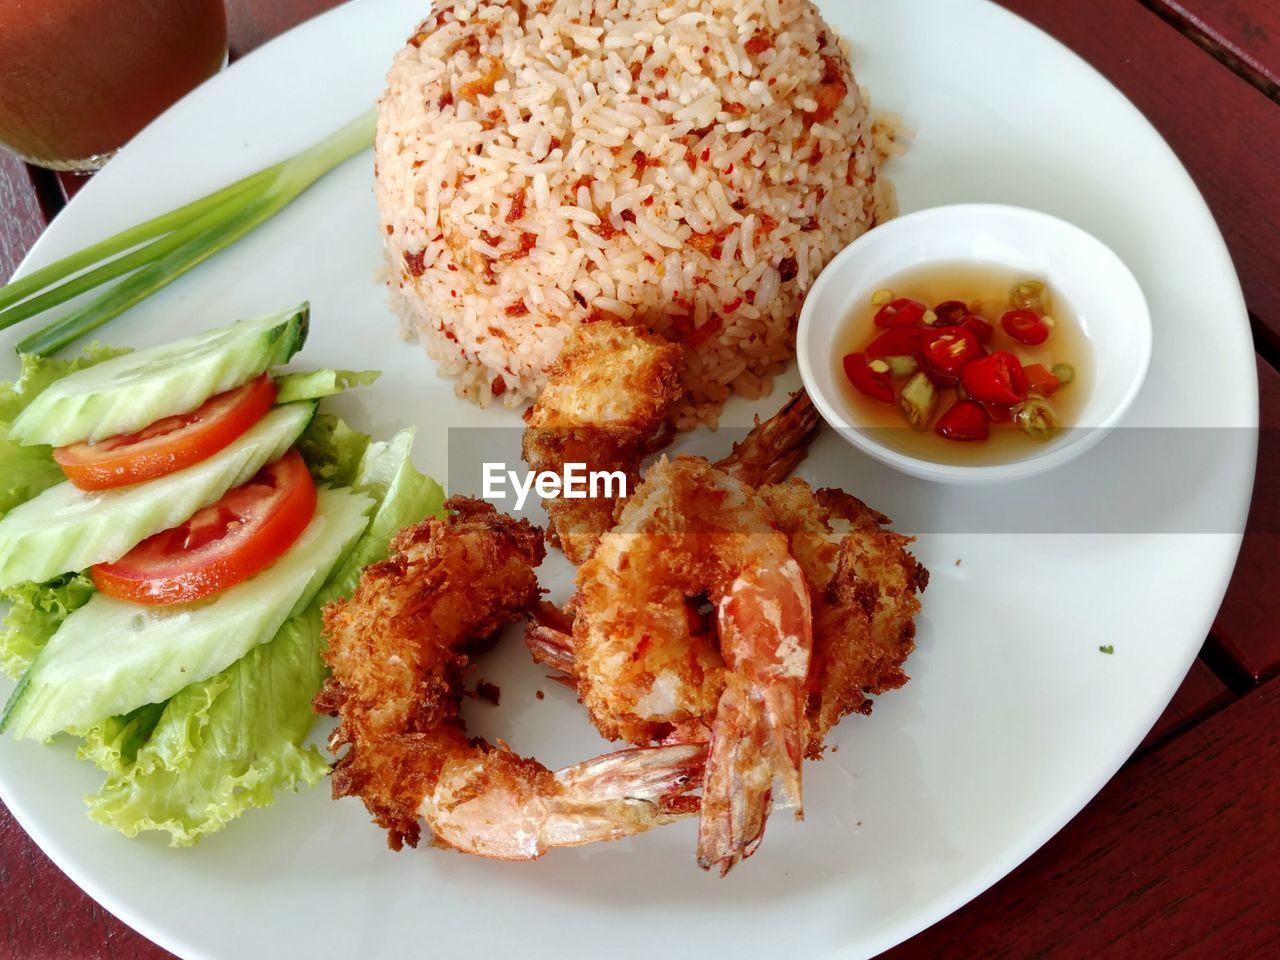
<point>320,383</point>
<point>221,746</point>
<point>36,611</point>
<point>404,496</point>
<point>113,745</point>
<point>228,744</point>
<point>332,450</point>
<point>190,765</point>
<point>27,471</point>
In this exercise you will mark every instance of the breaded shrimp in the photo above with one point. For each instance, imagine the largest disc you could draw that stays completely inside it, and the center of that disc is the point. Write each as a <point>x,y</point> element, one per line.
<point>863,585</point>
<point>605,405</point>
<point>692,533</point>
<point>768,454</point>
<point>397,650</point>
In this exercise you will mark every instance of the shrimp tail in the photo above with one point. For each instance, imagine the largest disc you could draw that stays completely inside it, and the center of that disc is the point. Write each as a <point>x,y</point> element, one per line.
<point>759,731</point>
<point>775,447</point>
<point>493,803</point>
<point>784,716</point>
<point>548,634</point>
<point>737,795</point>
<point>624,793</point>
<point>662,777</point>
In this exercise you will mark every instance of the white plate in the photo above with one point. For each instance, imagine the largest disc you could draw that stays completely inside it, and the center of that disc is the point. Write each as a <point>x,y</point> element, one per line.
<point>1013,719</point>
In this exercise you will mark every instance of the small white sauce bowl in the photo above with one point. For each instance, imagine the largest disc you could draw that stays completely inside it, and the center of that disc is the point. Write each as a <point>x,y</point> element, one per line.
<point>1079,268</point>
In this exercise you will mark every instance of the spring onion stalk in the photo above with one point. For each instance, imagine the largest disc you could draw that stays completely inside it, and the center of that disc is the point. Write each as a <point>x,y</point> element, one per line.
<point>155,253</point>
<point>118,267</point>
<point>45,277</point>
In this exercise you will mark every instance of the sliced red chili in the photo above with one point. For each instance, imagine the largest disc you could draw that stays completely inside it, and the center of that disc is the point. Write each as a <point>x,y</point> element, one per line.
<point>1041,380</point>
<point>900,313</point>
<point>947,351</point>
<point>996,378</point>
<point>996,412</point>
<point>1025,326</point>
<point>898,342</point>
<point>966,420</point>
<point>978,327</point>
<point>876,385</point>
<point>951,313</point>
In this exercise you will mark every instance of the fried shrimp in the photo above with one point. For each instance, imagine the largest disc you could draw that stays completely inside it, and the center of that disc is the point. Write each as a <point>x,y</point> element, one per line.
<point>651,680</point>
<point>605,405</point>
<point>397,650</point>
<point>647,660</point>
<point>863,584</point>
<point>766,455</point>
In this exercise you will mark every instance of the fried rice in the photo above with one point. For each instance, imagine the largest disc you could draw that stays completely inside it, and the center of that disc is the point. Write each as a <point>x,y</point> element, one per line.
<point>685,165</point>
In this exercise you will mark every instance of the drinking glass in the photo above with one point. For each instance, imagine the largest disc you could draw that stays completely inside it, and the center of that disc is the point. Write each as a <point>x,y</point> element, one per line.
<point>78,78</point>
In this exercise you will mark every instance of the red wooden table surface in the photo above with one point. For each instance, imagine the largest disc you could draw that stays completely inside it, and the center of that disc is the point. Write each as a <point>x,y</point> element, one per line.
<point>1177,856</point>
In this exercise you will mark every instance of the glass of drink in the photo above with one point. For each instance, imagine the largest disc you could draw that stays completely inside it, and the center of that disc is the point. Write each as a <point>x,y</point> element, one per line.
<point>78,78</point>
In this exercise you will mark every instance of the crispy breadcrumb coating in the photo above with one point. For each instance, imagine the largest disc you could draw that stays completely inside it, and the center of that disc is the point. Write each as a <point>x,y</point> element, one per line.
<point>605,405</point>
<point>398,646</point>
<point>863,586</point>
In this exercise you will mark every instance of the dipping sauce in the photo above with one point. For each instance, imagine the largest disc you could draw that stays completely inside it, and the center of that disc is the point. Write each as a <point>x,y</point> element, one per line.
<point>964,364</point>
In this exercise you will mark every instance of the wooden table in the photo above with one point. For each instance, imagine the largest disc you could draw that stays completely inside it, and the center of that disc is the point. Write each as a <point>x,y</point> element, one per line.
<point>1178,855</point>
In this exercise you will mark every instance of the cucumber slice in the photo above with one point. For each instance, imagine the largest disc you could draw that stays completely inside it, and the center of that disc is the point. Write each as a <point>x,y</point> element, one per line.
<point>129,392</point>
<point>66,528</point>
<point>111,657</point>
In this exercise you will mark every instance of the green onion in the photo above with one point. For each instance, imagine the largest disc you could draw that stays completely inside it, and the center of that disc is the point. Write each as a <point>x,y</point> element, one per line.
<point>153,254</point>
<point>902,366</point>
<point>918,399</point>
<point>1036,417</point>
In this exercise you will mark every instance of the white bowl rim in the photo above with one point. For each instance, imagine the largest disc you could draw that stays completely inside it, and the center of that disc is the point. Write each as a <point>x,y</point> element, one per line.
<point>1056,455</point>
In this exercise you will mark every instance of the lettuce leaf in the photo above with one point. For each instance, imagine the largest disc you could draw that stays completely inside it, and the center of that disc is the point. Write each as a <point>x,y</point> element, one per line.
<point>320,383</point>
<point>38,372</point>
<point>404,496</point>
<point>332,450</point>
<point>35,613</point>
<point>222,746</point>
<point>227,744</point>
<point>27,471</point>
<point>113,745</point>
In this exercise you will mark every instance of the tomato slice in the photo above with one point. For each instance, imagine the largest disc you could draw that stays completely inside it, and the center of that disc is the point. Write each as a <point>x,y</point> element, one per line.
<point>947,351</point>
<point>996,378</point>
<point>897,342</point>
<point>900,313</point>
<point>1025,326</point>
<point>966,420</point>
<point>170,444</point>
<point>222,545</point>
<point>876,385</point>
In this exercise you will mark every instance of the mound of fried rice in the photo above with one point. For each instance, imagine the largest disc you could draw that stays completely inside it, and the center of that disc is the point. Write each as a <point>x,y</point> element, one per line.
<point>685,165</point>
